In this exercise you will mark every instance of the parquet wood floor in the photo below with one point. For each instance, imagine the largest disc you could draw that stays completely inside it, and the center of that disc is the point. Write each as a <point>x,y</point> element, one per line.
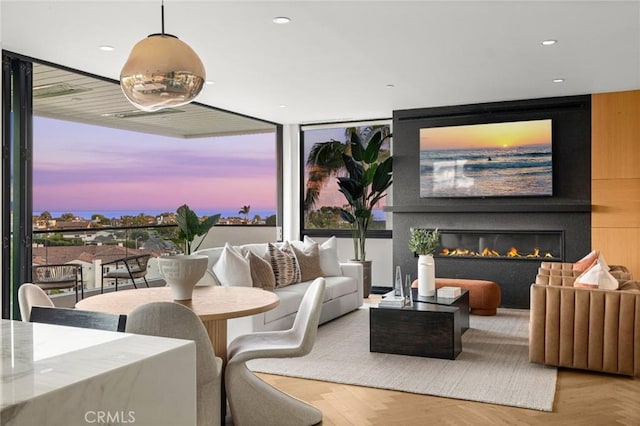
<point>582,398</point>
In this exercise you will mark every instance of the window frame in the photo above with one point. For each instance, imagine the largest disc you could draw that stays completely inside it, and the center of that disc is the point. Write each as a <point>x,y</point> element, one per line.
<point>328,232</point>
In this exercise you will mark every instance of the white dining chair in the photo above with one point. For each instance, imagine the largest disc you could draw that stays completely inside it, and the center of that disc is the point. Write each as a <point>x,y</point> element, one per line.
<point>168,319</point>
<point>31,295</point>
<point>255,402</point>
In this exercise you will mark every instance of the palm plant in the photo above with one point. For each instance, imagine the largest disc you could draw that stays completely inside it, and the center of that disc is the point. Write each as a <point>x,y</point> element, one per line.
<point>190,226</point>
<point>245,211</point>
<point>325,159</point>
<point>369,177</point>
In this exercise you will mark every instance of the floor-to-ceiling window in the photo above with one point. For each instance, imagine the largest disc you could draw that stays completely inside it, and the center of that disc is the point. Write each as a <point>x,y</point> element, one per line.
<point>99,164</point>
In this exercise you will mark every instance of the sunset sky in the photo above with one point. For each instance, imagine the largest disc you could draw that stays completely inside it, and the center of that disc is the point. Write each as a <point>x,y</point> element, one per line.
<point>486,135</point>
<point>84,167</point>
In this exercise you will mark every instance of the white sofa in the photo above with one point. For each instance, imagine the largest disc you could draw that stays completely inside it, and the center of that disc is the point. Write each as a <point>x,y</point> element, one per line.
<point>343,294</point>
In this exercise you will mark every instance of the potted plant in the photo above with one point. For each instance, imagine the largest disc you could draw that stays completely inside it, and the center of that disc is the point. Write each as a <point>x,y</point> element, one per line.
<point>424,243</point>
<point>189,226</point>
<point>183,271</point>
<point>368,178</point>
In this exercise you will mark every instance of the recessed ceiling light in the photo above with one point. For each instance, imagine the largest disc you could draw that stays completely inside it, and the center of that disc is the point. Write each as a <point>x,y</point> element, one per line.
<point>390,86</point>
<point>283,106</point>
<point>209,82</point>
<point>281,20</point>
<point>106,48</point>
<point>558,80</point>
<point>549,42</point>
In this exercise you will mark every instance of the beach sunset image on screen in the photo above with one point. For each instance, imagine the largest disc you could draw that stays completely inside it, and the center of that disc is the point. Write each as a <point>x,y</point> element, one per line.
<point>510,159</point>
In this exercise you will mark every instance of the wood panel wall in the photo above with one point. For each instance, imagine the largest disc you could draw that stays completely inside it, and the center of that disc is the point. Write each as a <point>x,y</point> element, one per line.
<point>615,177</point>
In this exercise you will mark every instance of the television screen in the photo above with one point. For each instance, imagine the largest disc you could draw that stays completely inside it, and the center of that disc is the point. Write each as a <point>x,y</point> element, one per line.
<point>511,159</point>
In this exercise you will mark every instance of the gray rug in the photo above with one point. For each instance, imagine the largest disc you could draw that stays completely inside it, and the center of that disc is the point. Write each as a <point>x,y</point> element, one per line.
<point>493,366</point>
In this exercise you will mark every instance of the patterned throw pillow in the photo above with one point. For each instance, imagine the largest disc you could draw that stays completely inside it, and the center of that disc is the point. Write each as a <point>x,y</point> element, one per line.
<point>309,261</point>
<point>261,272</point>
<point>284,264</point>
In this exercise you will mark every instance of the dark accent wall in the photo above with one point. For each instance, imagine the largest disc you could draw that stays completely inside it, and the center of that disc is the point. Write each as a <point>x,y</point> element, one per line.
<point>568,210</point>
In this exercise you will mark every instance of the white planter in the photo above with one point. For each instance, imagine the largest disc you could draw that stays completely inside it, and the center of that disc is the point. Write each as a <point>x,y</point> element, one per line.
<point>426,275</point>
<point>182,272</point>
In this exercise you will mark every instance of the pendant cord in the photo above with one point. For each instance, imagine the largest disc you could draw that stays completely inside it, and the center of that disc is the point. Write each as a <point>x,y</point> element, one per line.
<point>162,16</point>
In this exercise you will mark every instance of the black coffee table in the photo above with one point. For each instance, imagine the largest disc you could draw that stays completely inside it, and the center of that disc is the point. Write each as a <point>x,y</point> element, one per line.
<point>430,328</point>
<point>461,302</point>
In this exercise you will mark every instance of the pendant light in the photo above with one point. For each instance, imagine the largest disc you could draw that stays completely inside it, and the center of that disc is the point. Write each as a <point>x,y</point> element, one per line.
<point>162,72</point>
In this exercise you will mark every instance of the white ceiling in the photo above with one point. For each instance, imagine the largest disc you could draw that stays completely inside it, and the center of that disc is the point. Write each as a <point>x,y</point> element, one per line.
<point>335,59</point>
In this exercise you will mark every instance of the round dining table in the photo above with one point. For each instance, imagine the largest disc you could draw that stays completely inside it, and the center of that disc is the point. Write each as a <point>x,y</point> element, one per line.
<point>213,304</point>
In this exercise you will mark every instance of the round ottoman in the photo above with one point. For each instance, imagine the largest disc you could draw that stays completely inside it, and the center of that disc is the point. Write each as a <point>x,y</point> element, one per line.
<point>484,296</point>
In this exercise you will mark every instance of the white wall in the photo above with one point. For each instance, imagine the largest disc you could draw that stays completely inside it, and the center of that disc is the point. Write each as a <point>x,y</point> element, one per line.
<point>238,235</point>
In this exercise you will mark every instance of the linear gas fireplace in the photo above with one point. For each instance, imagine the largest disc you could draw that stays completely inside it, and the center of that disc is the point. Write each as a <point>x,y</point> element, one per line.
<point>512,245</point>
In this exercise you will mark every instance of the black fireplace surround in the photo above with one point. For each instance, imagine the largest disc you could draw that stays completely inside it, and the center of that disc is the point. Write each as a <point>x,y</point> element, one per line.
<point>559,225</point>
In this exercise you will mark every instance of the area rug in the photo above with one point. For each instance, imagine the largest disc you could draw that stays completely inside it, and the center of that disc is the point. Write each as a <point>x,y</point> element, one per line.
<point>493,366</point>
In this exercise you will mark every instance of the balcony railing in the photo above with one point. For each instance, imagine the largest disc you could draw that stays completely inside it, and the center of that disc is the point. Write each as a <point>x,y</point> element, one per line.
<point>93,246</point>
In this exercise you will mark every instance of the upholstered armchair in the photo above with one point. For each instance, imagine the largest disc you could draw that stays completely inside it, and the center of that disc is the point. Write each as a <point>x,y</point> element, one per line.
<point>590,329</point>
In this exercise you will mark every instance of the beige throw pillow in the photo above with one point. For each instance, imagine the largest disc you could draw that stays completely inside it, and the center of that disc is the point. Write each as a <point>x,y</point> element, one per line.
<point>284,264</point>
<point>261,272</point>
<point>309,261</point>
<point>329,261</point>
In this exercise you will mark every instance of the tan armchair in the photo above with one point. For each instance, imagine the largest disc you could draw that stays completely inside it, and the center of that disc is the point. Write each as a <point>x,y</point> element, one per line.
<point>583,328</point>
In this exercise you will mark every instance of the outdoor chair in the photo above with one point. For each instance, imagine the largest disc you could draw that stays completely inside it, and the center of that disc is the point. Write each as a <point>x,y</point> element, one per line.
<point>58,276</point>
<point>30,295</point>
<point>255,402</point>
<point>127,268</point>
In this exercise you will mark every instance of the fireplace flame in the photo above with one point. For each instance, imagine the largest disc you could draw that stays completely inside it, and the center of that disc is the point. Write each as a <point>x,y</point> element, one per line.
<point>513,252</point>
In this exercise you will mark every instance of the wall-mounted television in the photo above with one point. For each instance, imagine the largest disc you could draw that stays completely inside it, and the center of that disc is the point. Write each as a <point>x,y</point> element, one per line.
<point>506,159</point>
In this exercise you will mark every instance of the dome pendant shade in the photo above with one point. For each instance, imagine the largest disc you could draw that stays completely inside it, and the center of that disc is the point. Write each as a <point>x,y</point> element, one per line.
<point>162,72</point>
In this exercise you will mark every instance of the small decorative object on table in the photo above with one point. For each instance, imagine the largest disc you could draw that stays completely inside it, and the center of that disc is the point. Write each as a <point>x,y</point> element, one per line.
<point>401,295</point>
<point>449,292</point>
<point>424,243</point>
<point>182,272</point>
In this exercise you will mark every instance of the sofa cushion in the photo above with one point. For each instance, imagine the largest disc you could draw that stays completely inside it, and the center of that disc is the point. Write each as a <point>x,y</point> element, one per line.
<point>339,286</point>
<point>259,249</point>
<point>309,262</point>
<point>328,250</point>
<point>290,298</point>
<point>232,269</point>
<point>597,276</point>
<point>261,272</point>
<point>284,264</point>
<point>587,261</point>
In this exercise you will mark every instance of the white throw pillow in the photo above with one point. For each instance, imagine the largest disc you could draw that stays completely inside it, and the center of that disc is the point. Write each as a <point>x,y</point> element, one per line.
<point>329,262</point>
<point>597,276</point>
<point>232,269</point>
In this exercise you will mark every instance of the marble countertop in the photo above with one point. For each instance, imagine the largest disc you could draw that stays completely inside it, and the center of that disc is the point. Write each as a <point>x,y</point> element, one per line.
<point>42,359</point>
